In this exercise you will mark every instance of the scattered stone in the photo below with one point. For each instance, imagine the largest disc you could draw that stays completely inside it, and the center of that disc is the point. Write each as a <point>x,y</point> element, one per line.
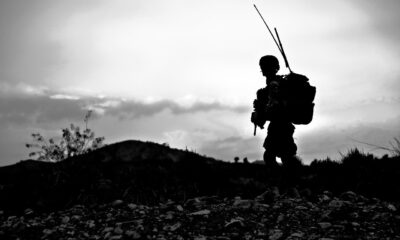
<point>201,212</point>
<point>244,204</point>
<point>302,208</point>
<point>286,218</point>
<point>235,222</point>
<point>325,225</point>
<point>117,203</point>
<point>118,230</point>
<point>355,224</point>
<point>132,206</point>
<point>275,234</point>
<point>169,215</point>
<point>175,226</point>
<point>108,229</point>
<point>116,237</point>
<point>200,238</point>
<point>335,203</point>
<point>297,235</point>
<point>280,218</point>
<point>133,234</point>
<point>325,198</point>
<point>90,224</point>
<point>65,219</point>
<point>28,211</point>
<point>391,207</point>
<point>179,208</point>
<point>349,195</point>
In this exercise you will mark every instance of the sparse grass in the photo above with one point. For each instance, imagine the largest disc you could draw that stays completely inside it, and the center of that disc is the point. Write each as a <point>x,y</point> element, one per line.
<point>393,149</point>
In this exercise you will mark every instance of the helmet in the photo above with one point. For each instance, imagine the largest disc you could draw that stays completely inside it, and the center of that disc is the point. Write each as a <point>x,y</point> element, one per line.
<point>269,62</point>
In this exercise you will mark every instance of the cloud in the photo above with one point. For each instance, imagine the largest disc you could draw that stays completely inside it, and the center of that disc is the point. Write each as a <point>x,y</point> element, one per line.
<point>22,108</point>
<point>136,109</point>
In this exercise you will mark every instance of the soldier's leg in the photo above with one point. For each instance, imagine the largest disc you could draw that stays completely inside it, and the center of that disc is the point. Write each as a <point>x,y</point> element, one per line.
<point>287,153</point>
<point>270,153</point>
<point>270,159</point>
<point>288,148</point>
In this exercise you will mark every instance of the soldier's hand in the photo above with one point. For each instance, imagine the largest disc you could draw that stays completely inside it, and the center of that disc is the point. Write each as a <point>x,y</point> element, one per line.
<point>255,103</point>
<point>253,117</point>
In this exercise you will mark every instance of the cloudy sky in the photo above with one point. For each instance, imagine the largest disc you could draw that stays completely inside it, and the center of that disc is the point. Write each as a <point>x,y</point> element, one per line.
<point>186,72</point>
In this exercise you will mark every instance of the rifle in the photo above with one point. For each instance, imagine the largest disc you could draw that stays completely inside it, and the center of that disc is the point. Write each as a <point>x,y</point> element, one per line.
<point>280,48</point>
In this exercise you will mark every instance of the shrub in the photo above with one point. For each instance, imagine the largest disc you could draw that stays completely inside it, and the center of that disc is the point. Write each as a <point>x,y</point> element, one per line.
<point>73,142</point>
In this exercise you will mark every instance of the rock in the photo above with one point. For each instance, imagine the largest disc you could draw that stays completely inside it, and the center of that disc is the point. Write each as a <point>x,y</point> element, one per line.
<point>117,203</point>
<point>275,234</point>
<point>324,225</point>
<point>349,195</point>
<point>244,204</point>
<point>327,193</point>
<point>302,208</point>
<point>201,212</point>
<point>175,226</point>
<point>118,231</point>
<point>280,218</point>
<point>28,211</point>
<point>235,222</point>
<point>76,217</point>
<point>297,235</point>
<point>260,206</point>
<point>179,208</point>
<point>325,198</point>
<point>268,196</point>
<point>132,206</point>
<point>223,238</point>
<point>355,224</point>
<point>65,219</point>
<point>169,215</point>
<point>90,223</point>
<point>116,237</point>
<point>108,229</point>
<point>336,203</point>
<point>47,232</point>
<point>200,238</point>
<point>193,202</point>
<point>133,234</point>
<point>391,207</point>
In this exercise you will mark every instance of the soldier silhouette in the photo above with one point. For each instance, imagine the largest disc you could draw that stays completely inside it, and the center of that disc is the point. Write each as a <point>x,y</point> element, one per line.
<point>271,105</point>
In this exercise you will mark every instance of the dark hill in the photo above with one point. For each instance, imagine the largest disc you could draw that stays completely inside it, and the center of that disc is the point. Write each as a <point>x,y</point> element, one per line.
<point>150,173</point>
<point>142,172</point>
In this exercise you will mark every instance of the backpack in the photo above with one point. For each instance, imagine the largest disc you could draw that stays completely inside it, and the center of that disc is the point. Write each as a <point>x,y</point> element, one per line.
<point>300,98</point>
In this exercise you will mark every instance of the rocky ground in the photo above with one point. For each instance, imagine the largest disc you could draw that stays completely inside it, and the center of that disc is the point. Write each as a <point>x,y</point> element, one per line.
<point>272,215</point>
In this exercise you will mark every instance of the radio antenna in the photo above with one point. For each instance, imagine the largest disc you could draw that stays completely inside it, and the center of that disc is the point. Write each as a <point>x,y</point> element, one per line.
<point>278,43</point>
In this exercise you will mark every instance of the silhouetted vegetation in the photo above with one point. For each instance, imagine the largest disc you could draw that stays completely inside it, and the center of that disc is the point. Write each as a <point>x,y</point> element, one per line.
<point>360,172</point>
<point>73,142</point>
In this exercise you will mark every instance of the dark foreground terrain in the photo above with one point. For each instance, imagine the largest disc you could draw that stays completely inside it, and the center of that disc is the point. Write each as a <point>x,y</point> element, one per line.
<point>137,190</point>
<point>270,216</point>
